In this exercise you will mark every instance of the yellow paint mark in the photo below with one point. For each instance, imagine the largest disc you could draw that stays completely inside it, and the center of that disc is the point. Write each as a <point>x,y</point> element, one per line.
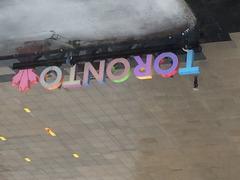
<point>27,110</point>
<point>142,70</point>
<point>50,132</point>
<point>27,159</point>
<point>2,138</point>
<point>75,155</point>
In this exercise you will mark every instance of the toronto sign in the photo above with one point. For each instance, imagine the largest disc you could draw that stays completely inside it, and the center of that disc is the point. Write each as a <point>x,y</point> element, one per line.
<point>143,71</point>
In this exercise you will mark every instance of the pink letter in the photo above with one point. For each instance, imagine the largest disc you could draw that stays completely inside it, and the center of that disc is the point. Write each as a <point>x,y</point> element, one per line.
<point>72,83</point>
<point>122,76</point>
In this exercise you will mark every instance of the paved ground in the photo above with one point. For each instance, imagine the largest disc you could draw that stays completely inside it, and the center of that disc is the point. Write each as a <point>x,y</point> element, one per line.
<point>140,130</point>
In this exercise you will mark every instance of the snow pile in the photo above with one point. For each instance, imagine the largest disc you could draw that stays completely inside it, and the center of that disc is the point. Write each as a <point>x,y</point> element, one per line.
<point>90,19</point>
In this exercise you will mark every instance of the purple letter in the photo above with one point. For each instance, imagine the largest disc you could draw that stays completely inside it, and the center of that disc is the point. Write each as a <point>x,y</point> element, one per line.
<point>166,73</point>
<point>143,70</point>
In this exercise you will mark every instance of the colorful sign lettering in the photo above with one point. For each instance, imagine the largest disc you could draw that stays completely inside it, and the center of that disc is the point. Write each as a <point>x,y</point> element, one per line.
<point>143,71</point>
<point>54,84</point>
<point>189,70</point>
<point>166,73</point>
<point>72,83</point>
<point>122,76</point>
<point>88,68</point>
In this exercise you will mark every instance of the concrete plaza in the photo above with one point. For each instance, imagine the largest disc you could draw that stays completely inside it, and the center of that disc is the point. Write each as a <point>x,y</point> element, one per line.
<point>158,129</point>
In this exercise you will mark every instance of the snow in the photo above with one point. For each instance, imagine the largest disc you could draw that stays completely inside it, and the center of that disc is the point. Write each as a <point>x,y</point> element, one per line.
<point>90,19</point>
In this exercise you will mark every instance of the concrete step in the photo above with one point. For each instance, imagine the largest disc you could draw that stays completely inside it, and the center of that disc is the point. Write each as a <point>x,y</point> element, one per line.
<point>224,50</point>
<point>236,38</point>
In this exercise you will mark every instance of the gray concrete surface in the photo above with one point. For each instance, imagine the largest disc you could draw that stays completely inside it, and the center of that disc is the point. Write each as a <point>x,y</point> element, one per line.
<point>139,130</point>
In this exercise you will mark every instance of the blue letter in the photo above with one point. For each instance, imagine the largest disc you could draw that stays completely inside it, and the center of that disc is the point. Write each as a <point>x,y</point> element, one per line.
<point>189,70</point>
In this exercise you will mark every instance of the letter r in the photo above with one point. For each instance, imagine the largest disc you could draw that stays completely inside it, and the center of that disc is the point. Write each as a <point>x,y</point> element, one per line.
<point>143,70</point>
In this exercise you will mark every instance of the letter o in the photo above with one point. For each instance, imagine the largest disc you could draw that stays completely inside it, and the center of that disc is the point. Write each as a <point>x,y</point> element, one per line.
<point>56,83</point>
<point>170,71</point>
<point>124,75</point>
